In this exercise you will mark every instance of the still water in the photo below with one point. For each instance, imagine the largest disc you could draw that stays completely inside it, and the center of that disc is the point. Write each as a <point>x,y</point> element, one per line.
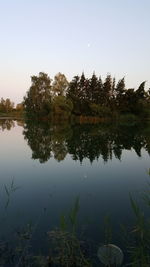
<point>44,168</point>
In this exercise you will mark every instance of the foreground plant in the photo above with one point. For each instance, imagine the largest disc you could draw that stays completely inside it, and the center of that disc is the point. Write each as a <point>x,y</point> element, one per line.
<point>66,249</point>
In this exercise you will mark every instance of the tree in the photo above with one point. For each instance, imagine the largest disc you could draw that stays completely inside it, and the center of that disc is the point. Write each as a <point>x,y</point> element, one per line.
<point>6,105</point>
<point>38,98</point>
<point>60,85</point>
<point>140,92</point>
<point>100,91</point>
<point>62,106</point>
<point>73,88</point>
<point>9,106</point>
<point>119,93</point>
<point>112,95</point>
<point>19,107</point>
<point>120,87</point>
<point>129,100</point>
<point>142,101</point>
<point>82,93</point>
<point>73,94</point>
<point>93,89</point>
<point>81,88</point>
<point>107,89</point>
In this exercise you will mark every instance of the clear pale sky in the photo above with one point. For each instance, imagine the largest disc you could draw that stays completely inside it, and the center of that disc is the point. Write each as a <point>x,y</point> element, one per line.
<point>71,36</point>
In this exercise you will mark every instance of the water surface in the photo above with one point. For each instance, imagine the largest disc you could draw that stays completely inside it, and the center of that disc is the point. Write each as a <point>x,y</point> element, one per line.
<point>53,164</point>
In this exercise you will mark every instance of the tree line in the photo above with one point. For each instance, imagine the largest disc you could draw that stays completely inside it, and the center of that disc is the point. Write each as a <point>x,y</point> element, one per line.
<point>7,106</point>
<point>81,96</point>
<point>85,96</point>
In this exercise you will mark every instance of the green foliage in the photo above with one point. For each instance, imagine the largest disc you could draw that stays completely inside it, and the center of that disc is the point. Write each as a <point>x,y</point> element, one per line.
<point>128,119</point>
<point>107,90</point>
<point>89,95</point>
<point>73,214</point>
<point>59,85</point>
<point>73,93</point>
<point>93,90</point>
<point>6,106</point>
<point>65,246</point>
<point>140,92</point>
<point>38,99</point>
<point>72,217</point>
<point>62,106</point>
<point>139,215</point>
<point>140,239</point>
<point>63,223</point>
<point>84,97</point>
<point>100,111</point>
<point>20,108</point>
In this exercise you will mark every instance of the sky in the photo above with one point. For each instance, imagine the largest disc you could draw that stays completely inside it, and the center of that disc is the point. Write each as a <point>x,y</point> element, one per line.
<point>72,36</point>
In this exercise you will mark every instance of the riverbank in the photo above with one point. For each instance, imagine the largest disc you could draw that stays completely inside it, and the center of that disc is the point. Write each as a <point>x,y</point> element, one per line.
<point>127,118</point>
<point>13,115</point>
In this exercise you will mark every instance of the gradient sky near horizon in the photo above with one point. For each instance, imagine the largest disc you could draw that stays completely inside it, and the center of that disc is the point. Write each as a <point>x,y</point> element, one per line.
<point>105,36</point>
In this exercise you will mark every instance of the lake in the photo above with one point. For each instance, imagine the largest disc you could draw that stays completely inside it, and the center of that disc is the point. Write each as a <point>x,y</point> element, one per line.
<point>44,169</point>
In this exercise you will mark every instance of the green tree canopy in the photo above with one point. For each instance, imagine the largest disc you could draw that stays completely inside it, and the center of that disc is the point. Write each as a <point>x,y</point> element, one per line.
<point>60,85</point>
<point>6,105</point>
<point>38,98</point>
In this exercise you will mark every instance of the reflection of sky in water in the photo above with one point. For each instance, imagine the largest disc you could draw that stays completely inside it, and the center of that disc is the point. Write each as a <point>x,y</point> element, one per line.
<point>103,188</point>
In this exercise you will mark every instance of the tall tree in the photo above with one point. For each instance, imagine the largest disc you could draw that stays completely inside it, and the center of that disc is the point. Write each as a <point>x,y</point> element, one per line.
<point>81,88</point>
<point>6,105</point>
<point>72,91</point>
<point>60,85</point>
<point>142,101</point>
<point>73,94</point>
<point>100,91</point>
<point>107,88</point>
<point>9,106</point>
<point>140,92</point>
<point>38,98</point>
<point>120,87</point>
<point>112,94</point>
<point>120,91</point>
<point>129,100</point>
<point>93,89</point>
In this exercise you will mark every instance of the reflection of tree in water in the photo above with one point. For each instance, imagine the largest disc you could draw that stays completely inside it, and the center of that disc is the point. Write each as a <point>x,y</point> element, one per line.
<point>39,139</point>
<point>59,145</point>
<point>6,124</point>
<point>20,123</point>
<point>82,141</point>
<point>130,138</point>
<point>105,141</point>
<point>91,143</point>
<point>45,141</point>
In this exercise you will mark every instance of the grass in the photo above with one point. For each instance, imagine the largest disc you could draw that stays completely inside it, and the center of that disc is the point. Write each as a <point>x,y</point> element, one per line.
<point>65,244</point>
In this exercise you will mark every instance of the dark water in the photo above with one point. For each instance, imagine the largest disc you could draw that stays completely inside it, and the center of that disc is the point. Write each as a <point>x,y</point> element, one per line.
<point>51,165</point>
